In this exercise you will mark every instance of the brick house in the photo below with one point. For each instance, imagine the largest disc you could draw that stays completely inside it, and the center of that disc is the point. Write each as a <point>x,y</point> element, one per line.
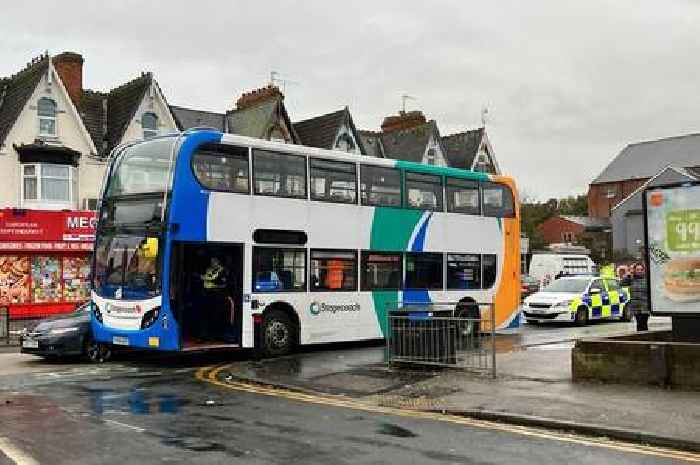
<point>635,165</point>
<point>55,138</point>
<point>571,229</point>
<point>55,135</point>
<point>410,136</point>
<point>260,113</point>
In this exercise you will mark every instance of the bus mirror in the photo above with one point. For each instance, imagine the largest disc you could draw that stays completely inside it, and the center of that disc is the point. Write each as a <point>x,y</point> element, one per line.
<point>150,247</point>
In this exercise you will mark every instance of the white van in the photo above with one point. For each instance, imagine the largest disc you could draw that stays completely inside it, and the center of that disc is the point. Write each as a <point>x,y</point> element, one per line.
<point>544,267</point>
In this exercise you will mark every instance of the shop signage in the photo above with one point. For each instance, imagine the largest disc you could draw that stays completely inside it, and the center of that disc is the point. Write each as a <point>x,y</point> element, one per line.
<point>38,230</point>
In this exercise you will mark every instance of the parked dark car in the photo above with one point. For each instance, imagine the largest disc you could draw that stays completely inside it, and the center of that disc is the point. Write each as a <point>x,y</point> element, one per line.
<point>528,286</point>
<point>65,335</point>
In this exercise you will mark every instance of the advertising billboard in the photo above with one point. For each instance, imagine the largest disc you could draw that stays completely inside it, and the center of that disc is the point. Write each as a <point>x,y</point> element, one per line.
<point>672,231</point>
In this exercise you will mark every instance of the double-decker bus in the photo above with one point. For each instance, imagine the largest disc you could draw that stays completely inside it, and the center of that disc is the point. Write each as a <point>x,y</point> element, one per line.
<point>207,239</point>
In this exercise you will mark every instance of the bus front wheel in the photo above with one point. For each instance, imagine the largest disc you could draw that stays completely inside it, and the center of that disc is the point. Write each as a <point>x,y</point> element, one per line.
<point>279,334</point>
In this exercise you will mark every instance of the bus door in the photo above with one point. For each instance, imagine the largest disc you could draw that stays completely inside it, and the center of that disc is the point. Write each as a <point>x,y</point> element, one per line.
<point>208,292</point>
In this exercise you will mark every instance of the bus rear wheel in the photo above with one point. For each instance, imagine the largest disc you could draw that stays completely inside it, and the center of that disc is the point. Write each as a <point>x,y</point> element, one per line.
<point>278,334</point>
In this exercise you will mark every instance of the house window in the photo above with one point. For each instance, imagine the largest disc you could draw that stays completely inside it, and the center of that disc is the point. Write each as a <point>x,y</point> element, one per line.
<point>345,143</point>
<point>611,192</point>
<point>568,236</point>
<point>44,182</point>
<point>431,156</point>
<point>149,122</point>
<point>46,109</point>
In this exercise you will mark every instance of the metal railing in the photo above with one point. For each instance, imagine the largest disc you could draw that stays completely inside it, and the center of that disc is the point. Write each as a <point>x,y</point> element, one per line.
<point>448,334</point>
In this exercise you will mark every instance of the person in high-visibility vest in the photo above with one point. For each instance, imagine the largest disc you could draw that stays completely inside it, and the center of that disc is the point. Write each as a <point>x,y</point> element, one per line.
<point>216,300</point>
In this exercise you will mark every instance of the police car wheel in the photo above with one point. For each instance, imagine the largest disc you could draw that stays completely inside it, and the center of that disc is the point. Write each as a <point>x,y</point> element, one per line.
<point>581,316</point>
<point>279,334</point>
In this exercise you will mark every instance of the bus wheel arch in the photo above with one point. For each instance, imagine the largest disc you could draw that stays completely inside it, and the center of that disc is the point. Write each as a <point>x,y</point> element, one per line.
<point>280,329</point>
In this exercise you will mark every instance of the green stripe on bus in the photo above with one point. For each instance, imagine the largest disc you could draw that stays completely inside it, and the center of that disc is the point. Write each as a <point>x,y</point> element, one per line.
<point>392,229</point>
<point>442,171</point>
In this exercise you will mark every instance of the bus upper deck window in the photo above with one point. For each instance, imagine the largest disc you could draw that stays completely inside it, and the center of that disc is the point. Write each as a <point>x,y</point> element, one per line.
<point>497,200</point>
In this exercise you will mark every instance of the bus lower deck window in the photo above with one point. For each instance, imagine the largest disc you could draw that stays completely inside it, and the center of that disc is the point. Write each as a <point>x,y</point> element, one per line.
<point>276,269</point>
<point>333,270</point>
<point>381,270</point>
<point>424,271</point>
<point>463,271</point>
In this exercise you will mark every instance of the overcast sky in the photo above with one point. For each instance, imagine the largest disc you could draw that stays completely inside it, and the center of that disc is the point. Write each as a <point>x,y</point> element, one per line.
<point>567,84</point>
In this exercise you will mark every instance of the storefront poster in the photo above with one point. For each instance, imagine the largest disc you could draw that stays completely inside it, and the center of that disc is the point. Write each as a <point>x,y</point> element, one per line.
<point>673,236</point>
<point>37,230</point>
<point>76,273</point>
<point>46,279</point>
<point>14,279</point>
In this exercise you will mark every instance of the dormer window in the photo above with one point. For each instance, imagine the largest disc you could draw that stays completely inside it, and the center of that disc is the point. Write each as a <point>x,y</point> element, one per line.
<point>149,122</point>
<point>46,110</point>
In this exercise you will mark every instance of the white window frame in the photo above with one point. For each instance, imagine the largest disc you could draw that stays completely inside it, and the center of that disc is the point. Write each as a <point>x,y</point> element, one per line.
<point>150,132</point>
<point>53,118</point>
<point>40,201</point>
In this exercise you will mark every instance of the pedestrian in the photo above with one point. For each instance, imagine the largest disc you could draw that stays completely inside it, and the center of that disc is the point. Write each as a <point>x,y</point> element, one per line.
<point>639,297</point>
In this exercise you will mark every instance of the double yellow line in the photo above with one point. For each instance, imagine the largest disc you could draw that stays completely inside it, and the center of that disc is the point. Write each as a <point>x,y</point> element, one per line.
<point>211,375</point>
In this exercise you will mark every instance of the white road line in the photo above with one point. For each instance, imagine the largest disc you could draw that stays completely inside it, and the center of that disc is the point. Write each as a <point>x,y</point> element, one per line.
<point>14,454</point>
<point>124,425</point>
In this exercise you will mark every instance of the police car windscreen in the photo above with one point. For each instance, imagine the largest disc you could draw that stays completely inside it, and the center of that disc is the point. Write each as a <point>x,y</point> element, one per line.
<point>567,285</point>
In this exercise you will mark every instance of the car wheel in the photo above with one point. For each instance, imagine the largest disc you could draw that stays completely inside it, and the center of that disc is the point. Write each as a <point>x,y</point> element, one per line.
<point>278,334</point>
<point>581,316</point>
<point>97,352</point>
<point>626,314</point>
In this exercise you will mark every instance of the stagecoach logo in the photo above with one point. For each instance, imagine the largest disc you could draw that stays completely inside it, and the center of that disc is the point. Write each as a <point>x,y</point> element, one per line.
<point>317,307</point>
<point>118,293</point>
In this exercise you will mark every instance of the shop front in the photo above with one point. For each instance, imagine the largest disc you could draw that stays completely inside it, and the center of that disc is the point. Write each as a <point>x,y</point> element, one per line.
<point>44,260</point>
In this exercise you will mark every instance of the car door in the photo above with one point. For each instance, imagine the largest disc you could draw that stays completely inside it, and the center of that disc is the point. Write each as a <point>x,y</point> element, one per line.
<point>598,295</point>
<point>616,296</point>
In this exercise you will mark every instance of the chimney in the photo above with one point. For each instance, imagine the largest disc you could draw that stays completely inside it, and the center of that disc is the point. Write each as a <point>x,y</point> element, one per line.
<point>250,99</point>
<point>404,120</point>
<point>69,66</point>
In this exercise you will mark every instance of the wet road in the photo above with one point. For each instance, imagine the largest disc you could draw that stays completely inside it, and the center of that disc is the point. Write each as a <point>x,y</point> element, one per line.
<point>158,412</point>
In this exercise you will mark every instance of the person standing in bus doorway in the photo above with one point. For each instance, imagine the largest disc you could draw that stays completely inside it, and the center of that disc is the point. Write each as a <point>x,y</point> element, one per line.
<point>214,286</point>
<point>639,297</point>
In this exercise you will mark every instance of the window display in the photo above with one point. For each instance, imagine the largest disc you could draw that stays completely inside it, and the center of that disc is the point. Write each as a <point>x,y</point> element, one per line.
<point>14,279</point>
<point>46,279</point>
<point>76,273</point>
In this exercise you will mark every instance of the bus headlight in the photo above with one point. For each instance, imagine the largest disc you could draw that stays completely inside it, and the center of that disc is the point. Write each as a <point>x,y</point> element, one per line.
<point>150,317</point>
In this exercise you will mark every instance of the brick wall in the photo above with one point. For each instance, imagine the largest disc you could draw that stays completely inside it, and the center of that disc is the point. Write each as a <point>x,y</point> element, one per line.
<point>599,204</point>
<point>555,229</point>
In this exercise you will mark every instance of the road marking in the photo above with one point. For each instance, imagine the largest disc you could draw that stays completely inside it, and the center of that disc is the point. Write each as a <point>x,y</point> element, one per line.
<point>210,375</point>
<point>15,454</point>
<point>124,425</point>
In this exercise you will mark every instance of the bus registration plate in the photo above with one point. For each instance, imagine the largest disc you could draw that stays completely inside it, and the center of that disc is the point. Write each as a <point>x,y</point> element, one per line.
<point>120,341</point>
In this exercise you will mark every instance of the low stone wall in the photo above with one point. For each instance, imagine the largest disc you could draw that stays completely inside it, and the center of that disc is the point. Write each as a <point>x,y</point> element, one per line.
<point>641,358</point>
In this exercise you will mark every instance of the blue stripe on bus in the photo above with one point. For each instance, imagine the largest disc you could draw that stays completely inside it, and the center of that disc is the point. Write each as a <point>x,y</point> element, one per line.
<point>188,210</point>
<point>419,240</point>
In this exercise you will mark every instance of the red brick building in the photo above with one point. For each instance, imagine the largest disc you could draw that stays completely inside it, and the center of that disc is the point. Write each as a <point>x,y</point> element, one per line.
<point>635,165</point>
<point>571,229</point>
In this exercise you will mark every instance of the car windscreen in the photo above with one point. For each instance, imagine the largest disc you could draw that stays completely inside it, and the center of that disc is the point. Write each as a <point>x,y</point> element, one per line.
<point>567,285</point>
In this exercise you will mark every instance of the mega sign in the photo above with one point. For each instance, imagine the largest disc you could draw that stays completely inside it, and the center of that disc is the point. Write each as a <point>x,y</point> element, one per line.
<point>46,230</point>
<point>673,238</point>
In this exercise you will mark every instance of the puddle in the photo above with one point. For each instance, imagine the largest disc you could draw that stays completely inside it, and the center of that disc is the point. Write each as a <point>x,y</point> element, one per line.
<point>390,429</point>
<point>135,401</point>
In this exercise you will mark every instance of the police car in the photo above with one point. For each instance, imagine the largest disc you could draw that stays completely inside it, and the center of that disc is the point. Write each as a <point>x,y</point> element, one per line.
<point>578,299</point>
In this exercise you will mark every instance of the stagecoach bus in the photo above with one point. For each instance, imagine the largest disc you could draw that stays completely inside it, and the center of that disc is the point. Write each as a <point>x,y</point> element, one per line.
<point>305,245</point>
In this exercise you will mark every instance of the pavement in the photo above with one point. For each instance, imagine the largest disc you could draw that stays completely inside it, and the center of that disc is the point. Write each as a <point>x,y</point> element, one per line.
<point>533,386</point>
